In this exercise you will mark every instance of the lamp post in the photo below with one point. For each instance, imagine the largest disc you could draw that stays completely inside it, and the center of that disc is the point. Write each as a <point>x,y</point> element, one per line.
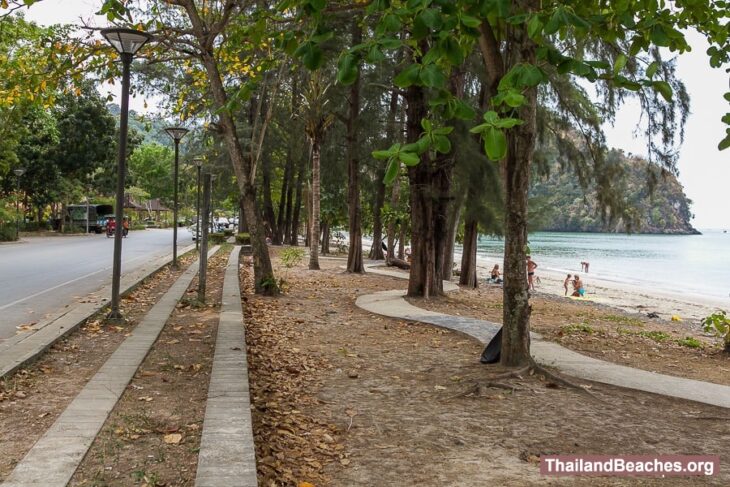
<point>18,172</point>
<point>177,133</point>
<point>127,42</point>
<point>199,164</point>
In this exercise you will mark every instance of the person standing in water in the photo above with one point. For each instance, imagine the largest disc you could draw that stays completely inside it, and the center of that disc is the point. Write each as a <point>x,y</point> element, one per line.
<point>531,266</point>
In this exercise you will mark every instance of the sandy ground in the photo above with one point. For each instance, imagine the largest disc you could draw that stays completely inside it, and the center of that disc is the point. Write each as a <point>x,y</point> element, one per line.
<point>345,398</point>
<point>690,308</point>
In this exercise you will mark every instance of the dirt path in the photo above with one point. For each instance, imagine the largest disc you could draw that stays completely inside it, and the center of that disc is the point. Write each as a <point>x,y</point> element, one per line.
<point>345,398</point>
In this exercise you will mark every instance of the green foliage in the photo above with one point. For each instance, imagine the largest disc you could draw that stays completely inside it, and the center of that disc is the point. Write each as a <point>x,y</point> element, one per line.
<point>243,239</point>
<point>217,238</point>
<point>690,342</point>
<point>657,336</point>
<point>718,323</point>
<point>577,328</point>
<point>292,256</point>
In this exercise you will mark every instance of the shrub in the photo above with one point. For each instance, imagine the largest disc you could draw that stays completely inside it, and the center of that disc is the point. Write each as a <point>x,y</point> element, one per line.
<point>292,256</point>
<point>719,324</point>
<point>137,226</point>
<point>657,336</point>
<point>7,233</point>
<point>243,239</point>
<point>217,238</point>
<point>228,232</point>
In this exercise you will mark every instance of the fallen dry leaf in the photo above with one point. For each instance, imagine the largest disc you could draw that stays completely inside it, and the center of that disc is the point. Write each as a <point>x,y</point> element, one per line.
<point>173,438</point>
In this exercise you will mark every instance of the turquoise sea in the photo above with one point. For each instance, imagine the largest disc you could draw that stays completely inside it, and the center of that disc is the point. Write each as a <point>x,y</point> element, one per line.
<point>696,264</point>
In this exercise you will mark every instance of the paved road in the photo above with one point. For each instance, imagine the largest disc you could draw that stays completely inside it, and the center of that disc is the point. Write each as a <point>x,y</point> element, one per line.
<point>39,276</point>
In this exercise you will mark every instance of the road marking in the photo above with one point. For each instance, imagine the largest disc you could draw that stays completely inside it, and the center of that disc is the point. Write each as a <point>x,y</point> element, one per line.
<point>63,284</point>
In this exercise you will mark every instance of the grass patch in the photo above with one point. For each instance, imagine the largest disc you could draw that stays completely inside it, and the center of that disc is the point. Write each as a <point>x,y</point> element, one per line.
<point>623,320</point>
<point>657,336</point>
<point>690,342</point>
<point>577,328</point>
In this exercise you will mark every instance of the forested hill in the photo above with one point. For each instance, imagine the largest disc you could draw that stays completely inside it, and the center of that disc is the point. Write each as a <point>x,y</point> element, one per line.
<point>561,205</point>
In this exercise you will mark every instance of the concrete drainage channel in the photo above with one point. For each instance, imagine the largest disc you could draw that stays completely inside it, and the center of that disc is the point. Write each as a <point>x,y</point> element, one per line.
<point>20,350</point>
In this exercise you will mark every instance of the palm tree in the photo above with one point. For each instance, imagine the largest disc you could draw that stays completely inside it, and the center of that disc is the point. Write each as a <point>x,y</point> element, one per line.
<point>317,119</point>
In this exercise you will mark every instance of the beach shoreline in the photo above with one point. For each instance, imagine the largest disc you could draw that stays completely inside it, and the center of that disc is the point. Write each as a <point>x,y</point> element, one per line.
<point>691,308</point>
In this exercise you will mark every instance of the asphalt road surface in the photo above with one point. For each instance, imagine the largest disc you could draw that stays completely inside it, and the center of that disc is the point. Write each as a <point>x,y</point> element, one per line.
<point>41,275</point>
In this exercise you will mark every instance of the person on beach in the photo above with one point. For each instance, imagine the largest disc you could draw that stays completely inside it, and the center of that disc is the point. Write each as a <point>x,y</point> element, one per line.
<point>578,289</point>
<point>495,274</point>
<point>531,266</point>
<point>565,283</point>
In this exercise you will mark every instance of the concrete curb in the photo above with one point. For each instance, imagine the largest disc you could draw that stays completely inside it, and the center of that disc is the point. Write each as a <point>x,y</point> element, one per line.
<point>57,454</point>
<point>20,350</point>
<point>227,454</point>
<point>392,304</point>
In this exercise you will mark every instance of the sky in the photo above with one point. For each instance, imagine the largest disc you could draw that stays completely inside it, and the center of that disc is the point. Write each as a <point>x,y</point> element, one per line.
<point>703,170</point>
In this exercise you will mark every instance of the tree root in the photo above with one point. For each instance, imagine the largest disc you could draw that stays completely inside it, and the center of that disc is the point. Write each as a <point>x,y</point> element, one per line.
<point>533,368</point>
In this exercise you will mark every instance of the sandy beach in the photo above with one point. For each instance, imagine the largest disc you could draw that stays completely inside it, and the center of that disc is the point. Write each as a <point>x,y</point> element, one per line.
<point>691,308</point>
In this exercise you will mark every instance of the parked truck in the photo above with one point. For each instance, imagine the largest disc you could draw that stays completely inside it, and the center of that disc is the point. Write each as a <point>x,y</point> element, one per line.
<point>92,215</point>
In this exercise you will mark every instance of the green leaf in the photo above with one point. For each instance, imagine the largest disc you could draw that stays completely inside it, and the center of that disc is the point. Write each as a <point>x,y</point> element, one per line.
<point>432,76</point>
<point>495,144</point>
<point>318,5</point>
<point>347,69</point>
<point>481,128</point>
<point>390,23</point>
<point>382,154</point>
<point>431,18</point>
<point>491,117</point>
<point>423,144</point>
<point>652,69</point>
<point>311,55</point>
<point>534,27</point>
<point>391,171</point>
<point>375,55</point>
<point>408,76</point>
<point>724,143</point>
<point>442,131</point>
<point>508,123</point>
<point>426,125</point>
<point>513,98</point>
<point>463,111</point>
<point>620,63</point>
<point>664,89</point>
<point>442,144</point>
<point>408,158</point>
<point>453,51</point>
<point>470,21</point>
<point>390,43</point>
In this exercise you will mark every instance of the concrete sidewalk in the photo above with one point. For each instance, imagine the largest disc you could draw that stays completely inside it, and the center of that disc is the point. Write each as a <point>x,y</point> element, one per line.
<point>23,348</point>
<point>57,454</point>
<point>227,454</point>
<point>392,304</point>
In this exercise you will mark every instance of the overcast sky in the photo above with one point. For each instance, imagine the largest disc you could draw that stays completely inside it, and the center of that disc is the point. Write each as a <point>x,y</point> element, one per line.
<point>703,170</point>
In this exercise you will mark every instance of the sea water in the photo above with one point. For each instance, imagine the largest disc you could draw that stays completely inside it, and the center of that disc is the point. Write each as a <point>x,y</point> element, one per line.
<point>696,264</point>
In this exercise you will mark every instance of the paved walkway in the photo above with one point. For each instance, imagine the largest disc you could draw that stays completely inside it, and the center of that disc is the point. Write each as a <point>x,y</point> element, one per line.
<point>392,304</point>
<point>227,455</point>
<point>23,348</point>
<point>57,454</point>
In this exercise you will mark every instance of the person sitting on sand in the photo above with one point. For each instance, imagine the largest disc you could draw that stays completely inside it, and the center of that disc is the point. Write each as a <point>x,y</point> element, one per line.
<point>578,289</point>
<point>495,274</point>
<point>531,266</point>
<point>565,283</point>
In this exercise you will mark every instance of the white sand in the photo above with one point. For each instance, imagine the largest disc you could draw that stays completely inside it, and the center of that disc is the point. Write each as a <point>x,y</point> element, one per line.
<point>691,308</point>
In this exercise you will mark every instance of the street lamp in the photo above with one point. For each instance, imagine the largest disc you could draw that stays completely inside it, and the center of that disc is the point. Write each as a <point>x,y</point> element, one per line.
<point>177,133</point>
<point>18,172</point>
<point>199,164</point>
<point>127,42</point>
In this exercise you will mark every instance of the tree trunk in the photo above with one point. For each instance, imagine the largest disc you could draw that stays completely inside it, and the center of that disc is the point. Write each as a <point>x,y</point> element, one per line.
<point>314,216</point>
<point>429,183</point>
<point>354,253</point>
<point>242,225</point>
<point>455,207</point>
<point>376,251</point>
<point>263,271</point>
<point>269,217</point>
<point>325,238</point>
<point>294,238</point>
<point>395,191</point>
<point>468,276</point>
<point>285,184</point>
<point>521,143</point>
